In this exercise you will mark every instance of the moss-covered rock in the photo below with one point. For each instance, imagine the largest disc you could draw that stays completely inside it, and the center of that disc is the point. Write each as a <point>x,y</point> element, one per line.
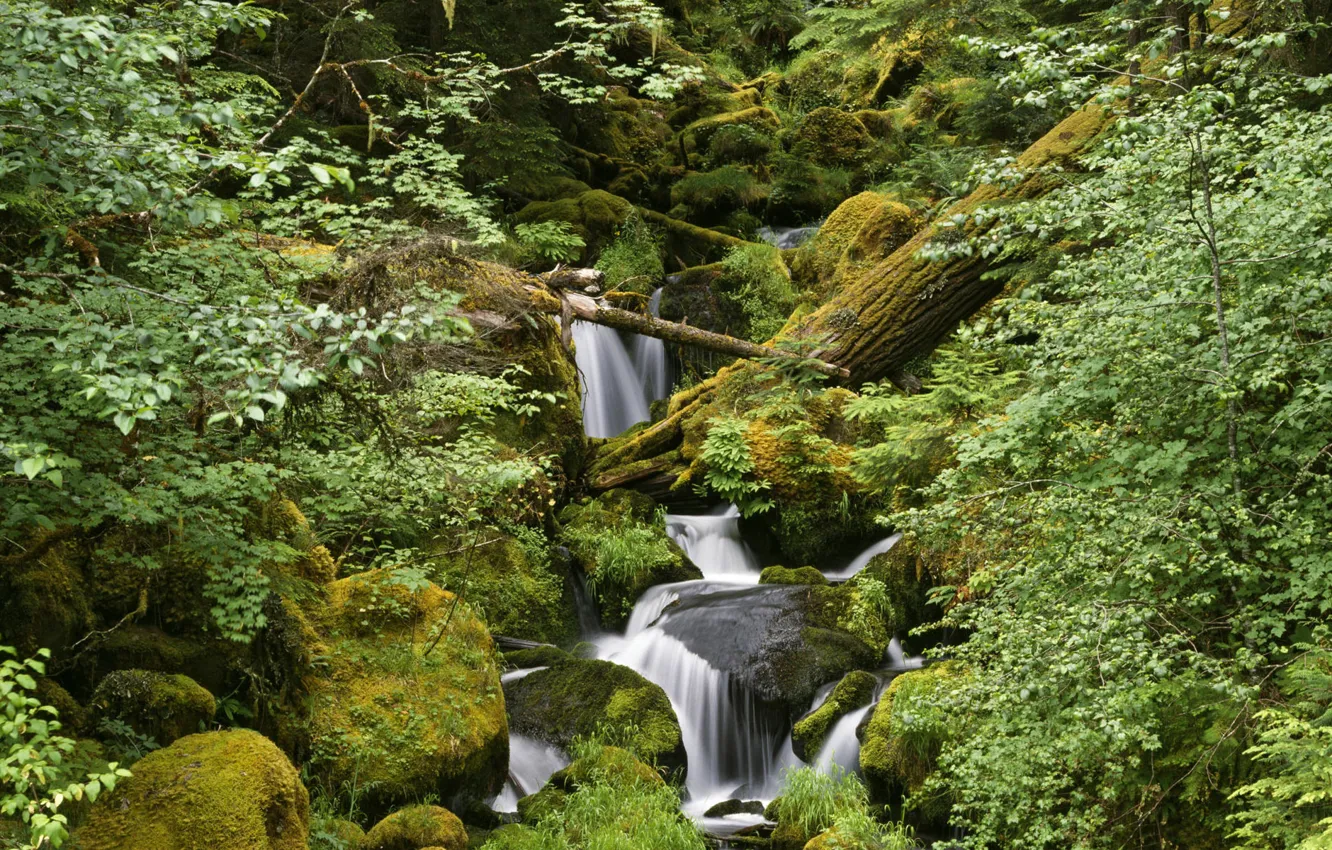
<point>577,697</point>
<point>699,134</point>
<point>44,603</point>
<point>614,765</point>
<point>708,197</point>
<point>622,548</point>
<point>74,718</point>
<point>408,705</point>
<point>594,215</point>
<point>417,828</point>
<point>808,734</point>
<point>789,575</point>
<point>230,790</point>
<point>906,732</point>
<point>538,656</point>
<point>164,706</point>
<point>831,138</point>
<point>348,832</point>
<point>863,230</point>
<point>150,648</point>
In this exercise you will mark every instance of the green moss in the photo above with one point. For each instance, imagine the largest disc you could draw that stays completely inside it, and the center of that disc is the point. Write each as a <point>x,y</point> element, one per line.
<point>831,138</point>
<point>164,706</point>
<point>709,196</point>
<point>906,732</point>
<point>760,118</point>
<point>854,690</point>
<point>623,550</point>
<point>416,828</point>
<point>547,187</point>
<point>44,604</point>
<point>817,259</point>
<point>73,717</point>
<point>577,697</point>
<point>788,575</point>
<point>593,215</point>
<point>510,583</point>
<point>540,656</point>
<point>406,715</point>
<point>230,790</point>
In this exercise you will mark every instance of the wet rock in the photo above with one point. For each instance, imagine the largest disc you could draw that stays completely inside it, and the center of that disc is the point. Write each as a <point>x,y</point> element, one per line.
<point>417,828</point>
<point>735,807</point>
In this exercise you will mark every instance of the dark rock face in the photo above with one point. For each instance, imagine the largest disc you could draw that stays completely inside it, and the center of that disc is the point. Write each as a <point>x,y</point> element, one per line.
<point>734,807</point>
<point>770,639</point>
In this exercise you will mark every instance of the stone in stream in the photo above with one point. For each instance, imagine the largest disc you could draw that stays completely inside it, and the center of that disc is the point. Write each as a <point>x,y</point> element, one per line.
<point>735,807</point>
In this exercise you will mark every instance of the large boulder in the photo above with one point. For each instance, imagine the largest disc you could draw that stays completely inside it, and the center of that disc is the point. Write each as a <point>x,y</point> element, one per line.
<point>594,216</point>
<point>230,790</point>
<point>622,547</point>
<point>408,697</point>
<point>578,697</point>
<point>854,690</point>
<point>416,828</point>
<point>163,706</point>
<point>832,138</point>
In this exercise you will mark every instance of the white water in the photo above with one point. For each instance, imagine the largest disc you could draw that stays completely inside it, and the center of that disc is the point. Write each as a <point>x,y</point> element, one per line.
<point>649,357</point>
<point>842,747</point>
<point>515,675</point>
<point>613,397</point>
<point>531,763</point>
<point>713,543</point>
<point>898,661</point>
<point>787,237</point>
<point>862,560</point>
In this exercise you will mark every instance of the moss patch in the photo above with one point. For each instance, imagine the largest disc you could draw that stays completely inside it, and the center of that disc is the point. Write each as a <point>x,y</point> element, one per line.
<point>593,215</point>
<point>831,138</point>
<point>416,828</point>
<point>218,790</point>
<point>579,697</point>
<point>165,706</point>
<point>787,575</point>
<point>406,715</point>
<point>808,734</point>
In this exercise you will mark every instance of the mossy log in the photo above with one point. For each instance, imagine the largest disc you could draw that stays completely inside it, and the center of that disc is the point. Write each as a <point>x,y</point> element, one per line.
<point>587,308</point>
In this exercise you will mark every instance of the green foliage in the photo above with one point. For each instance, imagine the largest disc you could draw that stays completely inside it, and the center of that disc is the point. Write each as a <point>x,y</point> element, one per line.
<point>632,261</point>
<point>730,466</point>
<point>35,776</point>
<point>815,801</point>
<point>553,241</point>
<point>623,552</point>
<point>756,284</point>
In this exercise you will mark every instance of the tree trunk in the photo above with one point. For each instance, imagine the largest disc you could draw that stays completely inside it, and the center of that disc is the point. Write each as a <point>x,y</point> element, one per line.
<point>578,306</point>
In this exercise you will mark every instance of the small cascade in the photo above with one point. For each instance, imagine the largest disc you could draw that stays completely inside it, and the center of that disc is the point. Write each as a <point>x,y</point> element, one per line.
<point>515,675</point>
<point>650,361</point>
<point>842,747</point>
<point>531,763</point>
<point>787,238</point>
<point>713,543</point>
<point>613,397</point>
<point>898,660</point>
<point>862,560</point>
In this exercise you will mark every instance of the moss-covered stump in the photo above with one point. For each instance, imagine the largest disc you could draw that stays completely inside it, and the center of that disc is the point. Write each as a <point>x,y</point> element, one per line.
<point>164,706</point>
<point>622,549</point>
<point>594,215</point>
<point>905,734</point>
<point>576,697</point>
<point>417,828</point>
<point>405,713</point>
<point>788,575</point>
<point>808,734</point>
<point>230,790</point>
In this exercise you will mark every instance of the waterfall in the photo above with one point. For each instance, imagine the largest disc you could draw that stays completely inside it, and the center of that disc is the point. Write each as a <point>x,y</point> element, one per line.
<point>713,543</point>
<point>649,357</point>
<point>842,747</point>
<point>531,763</point>
<point>613,397</point>
<point>898,662</point>
<point>862,560</point>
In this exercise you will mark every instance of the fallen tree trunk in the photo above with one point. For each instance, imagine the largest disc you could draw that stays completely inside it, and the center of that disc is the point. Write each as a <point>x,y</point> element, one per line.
<point>576,305</point>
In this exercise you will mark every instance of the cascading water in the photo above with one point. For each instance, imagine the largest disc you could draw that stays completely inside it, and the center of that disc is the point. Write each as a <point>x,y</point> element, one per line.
<point>531,763</point>
<point>613,397</point>
<point>649,357</point>
<point>713,543</point>
<point>862,560</point>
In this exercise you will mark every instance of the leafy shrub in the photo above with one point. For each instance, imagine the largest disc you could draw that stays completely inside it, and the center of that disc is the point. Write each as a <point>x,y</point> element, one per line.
<point>632,260</point>
<point>756,286</point>
<point>730,466</point>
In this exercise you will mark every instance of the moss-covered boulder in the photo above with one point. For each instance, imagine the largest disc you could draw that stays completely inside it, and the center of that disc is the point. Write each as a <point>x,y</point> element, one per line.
<point>906,732</point>
<point>537,656</point>
<point>863,230</point>
<point>594,215</point>
<point>831,138</point>
<point>408,698</point>
<point>576,697</point>
<point>230,790</point>
<point>698,135</point>
<point>44,601</point>
<point>150,648</point>
<point>788,575</point>
<point>417,828</point>
<point>164,706</point>
<point>622,548</point>
<point>808,734</point>
<point>514,583</point>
